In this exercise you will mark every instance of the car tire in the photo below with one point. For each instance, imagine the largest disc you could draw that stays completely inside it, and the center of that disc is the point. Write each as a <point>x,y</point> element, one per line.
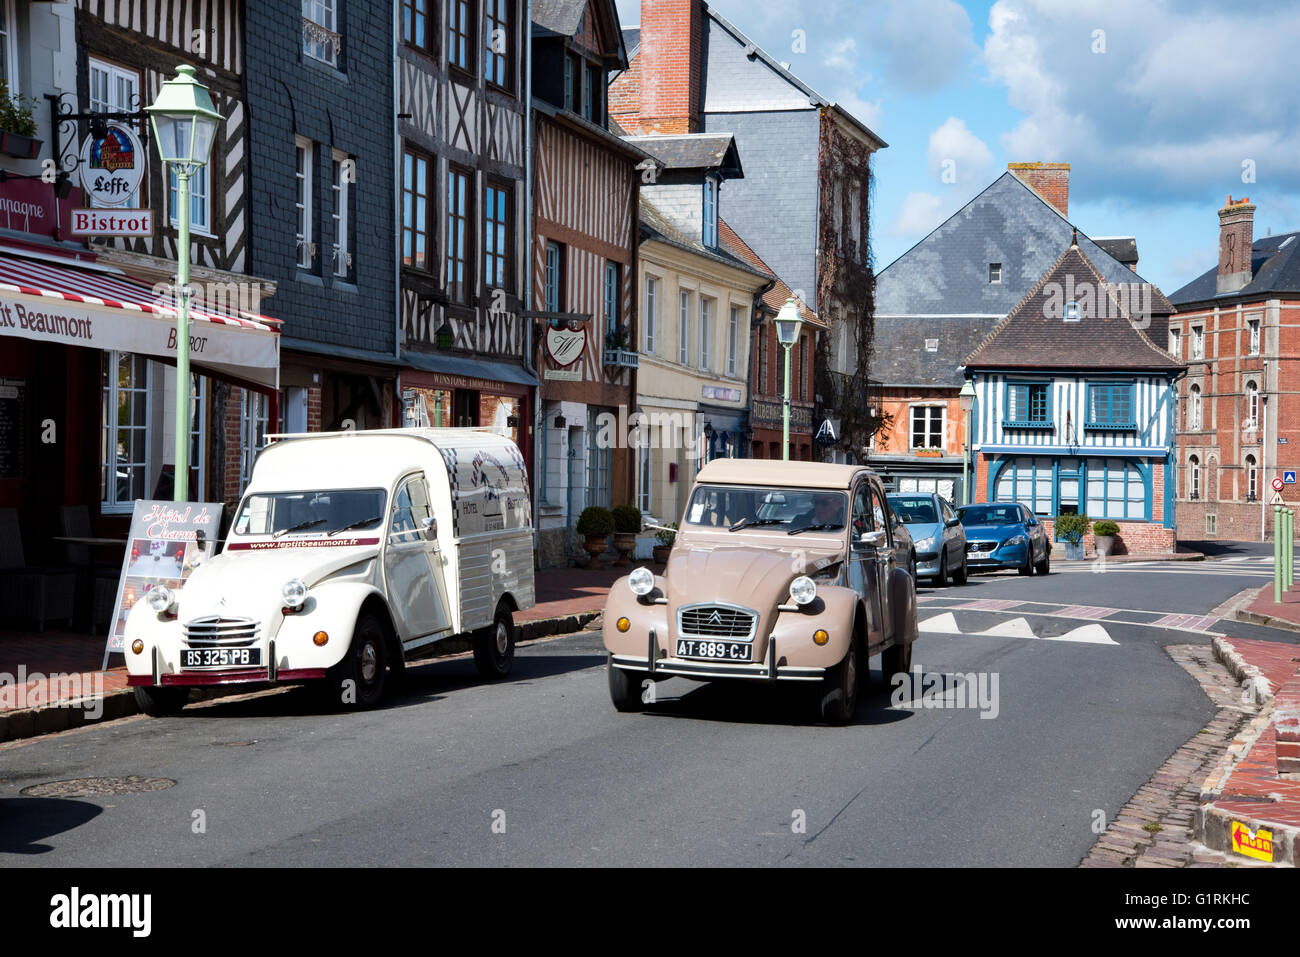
<point>358,681</point>
<point>960,576</point>
<point>625,689</point>
<point>895,660</point>
<point>941,580</point>
<point>159,702</point>
<point>1045,566</point>
<point>838,697</point>
<point>1028,567</point>
<point>494,649</point>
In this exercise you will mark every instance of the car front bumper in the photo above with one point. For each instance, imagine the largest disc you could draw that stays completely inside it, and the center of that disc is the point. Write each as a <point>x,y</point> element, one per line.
<point>1005,556</point>
<point>657,662</point>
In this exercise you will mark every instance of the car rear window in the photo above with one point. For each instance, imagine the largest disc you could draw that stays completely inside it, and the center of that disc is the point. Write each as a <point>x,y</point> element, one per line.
<point>913,511</point>
<point>991,515</point>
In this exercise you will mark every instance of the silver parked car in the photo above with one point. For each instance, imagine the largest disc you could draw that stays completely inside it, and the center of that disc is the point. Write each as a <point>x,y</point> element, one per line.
<point>937,532</point>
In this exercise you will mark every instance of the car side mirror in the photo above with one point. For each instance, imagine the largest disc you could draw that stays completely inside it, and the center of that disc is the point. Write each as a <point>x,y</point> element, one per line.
<point>1032,522</point>
<point>952,522</point>
<point>873,539</point>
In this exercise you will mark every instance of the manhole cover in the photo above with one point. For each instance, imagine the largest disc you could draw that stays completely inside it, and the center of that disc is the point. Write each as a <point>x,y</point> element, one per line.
<point>96,787</point>
<point>233,744</point>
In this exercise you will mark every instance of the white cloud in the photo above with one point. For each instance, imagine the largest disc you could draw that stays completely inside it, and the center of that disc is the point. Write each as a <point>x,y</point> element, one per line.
<point>868,112</point>
<point>842,54</point>
<point>923,43</point>
<point>918,214</point>
<point>955,150</point>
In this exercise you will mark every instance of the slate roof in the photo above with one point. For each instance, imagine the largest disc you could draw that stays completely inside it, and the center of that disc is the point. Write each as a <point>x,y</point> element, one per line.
<point>775,297</point>
<point>947,272</point>
<point>559,16</point>
<point>1033,337</point>
<point>900,358</point>
<point>1122,248</point>
<point>655,226</point>
<point>632,40</point>
<point>1274,268</point>
<point>693,151</point>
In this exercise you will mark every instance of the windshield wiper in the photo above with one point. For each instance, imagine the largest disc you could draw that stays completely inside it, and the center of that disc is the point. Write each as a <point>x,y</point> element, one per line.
<point>815,528</point>
<point>310,523</point>
<point>751,523</point>
<point>357,524</point>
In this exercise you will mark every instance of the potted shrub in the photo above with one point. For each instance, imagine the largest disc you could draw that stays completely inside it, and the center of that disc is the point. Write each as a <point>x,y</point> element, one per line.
<point>17,126</point>
<point>930,453</point>
<point>1071,529</point>
<point>667,538</point>
<point>1104,533</point>
<point>627,525</point>
<point>594,525</point>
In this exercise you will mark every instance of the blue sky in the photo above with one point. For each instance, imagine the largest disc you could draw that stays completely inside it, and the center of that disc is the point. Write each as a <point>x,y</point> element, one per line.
<point>1162,109</point>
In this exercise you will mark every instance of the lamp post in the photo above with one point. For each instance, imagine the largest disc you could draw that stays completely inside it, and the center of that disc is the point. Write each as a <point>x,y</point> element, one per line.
<point>967,399</point>
<point>788,324</point>
<point>184,125</point>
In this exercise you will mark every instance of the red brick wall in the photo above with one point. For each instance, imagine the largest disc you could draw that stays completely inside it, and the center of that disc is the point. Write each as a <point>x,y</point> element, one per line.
<point>230,476</point>
<point>670,61</point>
<point>899,402</point>
<point>1049,180</point>
<point>313,409</point>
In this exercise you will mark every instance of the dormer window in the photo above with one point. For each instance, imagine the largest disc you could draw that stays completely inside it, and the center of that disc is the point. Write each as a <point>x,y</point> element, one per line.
<point>709,232</point>
<point>995,272</point>
<point>1072,311</point>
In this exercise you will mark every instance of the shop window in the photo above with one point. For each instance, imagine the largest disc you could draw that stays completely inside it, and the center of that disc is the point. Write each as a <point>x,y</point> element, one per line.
<point>253,422</point>
<point>1028,481</point>
<point>124,443</point>
<point>1116,489</point>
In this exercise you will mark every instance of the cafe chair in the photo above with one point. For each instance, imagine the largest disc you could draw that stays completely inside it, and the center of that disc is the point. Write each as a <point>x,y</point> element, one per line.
<point>30,593</point>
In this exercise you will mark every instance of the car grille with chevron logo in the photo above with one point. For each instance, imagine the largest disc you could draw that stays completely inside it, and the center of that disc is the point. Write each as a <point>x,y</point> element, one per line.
<point>716,621</point>
<point>220,632</point>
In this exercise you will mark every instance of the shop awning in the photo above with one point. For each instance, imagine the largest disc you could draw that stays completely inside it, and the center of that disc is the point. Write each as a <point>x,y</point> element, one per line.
<point>472,369</point>
<point>49,301</point>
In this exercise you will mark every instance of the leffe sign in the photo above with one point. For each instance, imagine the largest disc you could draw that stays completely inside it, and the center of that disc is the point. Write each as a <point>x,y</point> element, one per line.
<point>112,169</point>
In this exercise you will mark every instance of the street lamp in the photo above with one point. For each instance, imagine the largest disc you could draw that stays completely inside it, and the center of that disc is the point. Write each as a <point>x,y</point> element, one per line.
<point>967,399</point>
<point>788,324</point>
<point>184,125</point>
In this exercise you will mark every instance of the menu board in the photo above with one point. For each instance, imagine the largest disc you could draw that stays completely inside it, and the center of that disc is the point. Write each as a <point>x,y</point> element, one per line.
<point>13,427</point>
<point>168,539</point>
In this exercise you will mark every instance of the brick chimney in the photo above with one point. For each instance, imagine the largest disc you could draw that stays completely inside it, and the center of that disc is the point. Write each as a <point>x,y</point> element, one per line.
<point>1051,181</point>
<point>1236,237</point>
<point>670,65</point>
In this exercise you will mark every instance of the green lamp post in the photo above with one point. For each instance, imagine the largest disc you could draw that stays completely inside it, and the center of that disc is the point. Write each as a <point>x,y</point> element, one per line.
<point>967,399</point>
<point>184,126</point>
<point>788,324</point>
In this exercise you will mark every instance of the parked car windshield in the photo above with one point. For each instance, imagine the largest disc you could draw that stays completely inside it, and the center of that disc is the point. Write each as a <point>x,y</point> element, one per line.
<point>717,506</point>
<point>991,515</point>
<point>914,510</point>
<point>283,513</point>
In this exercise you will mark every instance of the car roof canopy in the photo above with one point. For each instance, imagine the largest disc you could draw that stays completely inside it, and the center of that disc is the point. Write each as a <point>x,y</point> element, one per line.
<point>774,472</point>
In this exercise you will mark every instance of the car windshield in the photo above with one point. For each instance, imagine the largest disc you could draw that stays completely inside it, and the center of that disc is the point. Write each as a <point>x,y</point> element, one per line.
<point>991,515</point>
<point>912,510</point>
<point>316,513</point>
<point>781,509</point>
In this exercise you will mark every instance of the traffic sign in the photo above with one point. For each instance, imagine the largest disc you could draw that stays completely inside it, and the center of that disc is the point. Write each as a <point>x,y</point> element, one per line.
<point>1289,476</point>
<point>1276,499</point>
<point>1277,485</point>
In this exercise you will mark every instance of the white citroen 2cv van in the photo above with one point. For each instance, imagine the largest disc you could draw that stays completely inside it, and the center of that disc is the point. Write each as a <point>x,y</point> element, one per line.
<point>350,554</point>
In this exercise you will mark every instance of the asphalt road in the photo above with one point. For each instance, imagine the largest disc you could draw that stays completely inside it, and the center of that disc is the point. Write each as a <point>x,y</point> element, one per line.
<point>540,770</point>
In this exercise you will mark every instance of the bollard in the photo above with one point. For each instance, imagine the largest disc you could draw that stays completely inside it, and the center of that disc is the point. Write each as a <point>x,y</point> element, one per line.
<point>1277,553</point>
<point>1289,545</point>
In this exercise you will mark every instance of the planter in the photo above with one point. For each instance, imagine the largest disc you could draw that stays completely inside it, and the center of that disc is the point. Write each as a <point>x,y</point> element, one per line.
<point>928,453</point>
<point>1105,545</point>
<point>1074,551</point>
<point>19,146</point>
<point>624,544</point>
<point>661,553</point>
<point>595,547</point>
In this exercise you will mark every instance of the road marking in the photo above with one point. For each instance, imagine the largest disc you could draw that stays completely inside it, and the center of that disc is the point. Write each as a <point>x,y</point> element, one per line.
<point>1086,611</point>
<point>1089,634</point>
<point>1015,628</point>
<point>946,624</point>
<point>1194,622</point>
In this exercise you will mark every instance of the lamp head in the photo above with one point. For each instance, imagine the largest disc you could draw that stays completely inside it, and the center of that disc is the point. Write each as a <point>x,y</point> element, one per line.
<point>184,120</point>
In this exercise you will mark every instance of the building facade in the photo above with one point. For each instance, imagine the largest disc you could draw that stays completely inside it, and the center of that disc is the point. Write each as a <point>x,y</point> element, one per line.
<point>1239,405</point>
<point>462,201</point>
<point>1074,408</point>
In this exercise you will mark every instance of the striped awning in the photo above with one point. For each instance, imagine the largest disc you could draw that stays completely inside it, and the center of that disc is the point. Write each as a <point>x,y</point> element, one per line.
<point>48,300</point>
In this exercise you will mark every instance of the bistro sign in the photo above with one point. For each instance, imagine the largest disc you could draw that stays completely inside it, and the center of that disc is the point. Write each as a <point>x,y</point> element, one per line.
<point>112,168</point>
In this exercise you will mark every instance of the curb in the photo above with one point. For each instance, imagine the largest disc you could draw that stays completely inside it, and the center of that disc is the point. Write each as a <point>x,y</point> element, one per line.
<point>1214,830</point>
<point>22,723</point>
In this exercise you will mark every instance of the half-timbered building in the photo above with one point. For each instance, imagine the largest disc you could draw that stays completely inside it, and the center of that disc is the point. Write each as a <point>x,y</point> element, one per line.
<point>586,191</point>
<point>461,196</point>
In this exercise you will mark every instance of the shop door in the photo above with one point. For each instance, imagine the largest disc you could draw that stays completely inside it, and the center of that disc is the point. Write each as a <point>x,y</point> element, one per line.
<point>1067,488</point>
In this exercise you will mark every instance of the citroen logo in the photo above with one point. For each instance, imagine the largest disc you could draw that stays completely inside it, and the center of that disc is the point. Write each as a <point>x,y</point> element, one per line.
<point>715,618</point>
<point>222,602</point>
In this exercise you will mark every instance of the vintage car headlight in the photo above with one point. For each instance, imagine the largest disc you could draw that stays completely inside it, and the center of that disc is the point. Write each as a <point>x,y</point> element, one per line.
<point>161,598</point>
<point>294,592</point>
<point>641,581</point>
<point>803,590</point>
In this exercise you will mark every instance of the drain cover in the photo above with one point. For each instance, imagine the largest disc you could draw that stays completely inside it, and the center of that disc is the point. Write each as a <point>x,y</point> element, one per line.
<point>96,787</point>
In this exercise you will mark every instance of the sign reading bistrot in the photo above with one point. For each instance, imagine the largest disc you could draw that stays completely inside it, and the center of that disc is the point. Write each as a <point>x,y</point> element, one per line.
<point>167,541</point>
<point>112,168</point>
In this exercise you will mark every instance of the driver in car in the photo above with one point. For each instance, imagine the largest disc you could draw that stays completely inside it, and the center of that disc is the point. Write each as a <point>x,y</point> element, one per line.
<point>826,510</point>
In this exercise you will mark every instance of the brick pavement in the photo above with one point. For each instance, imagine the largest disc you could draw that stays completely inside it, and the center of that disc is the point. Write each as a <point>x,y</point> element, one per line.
<point>1287,610</point>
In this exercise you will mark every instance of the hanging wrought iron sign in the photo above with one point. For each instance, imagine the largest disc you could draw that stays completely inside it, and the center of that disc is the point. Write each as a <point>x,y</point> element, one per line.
<point>112,166</point>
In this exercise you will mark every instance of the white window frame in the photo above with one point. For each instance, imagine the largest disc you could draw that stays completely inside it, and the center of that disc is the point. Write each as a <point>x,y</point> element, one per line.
<point>1252,479</point>
<point>198,426</point>
<point>1194,408</point>
<point>706,329</point>
<point>9,41</point>
<point>651,312</point>
<point>200,195</point>
<point>109,503</point>
<point>304,162</point>
<point>995,278</point>
<point>1254,326</point>
<point>254,423</point>
<point>1176,343</point>
<point>645,477</point>
<point>733,341</point>
<point>709,214</point>
<point>1252,405</point>
<point>1198,342</point>
<point>341,190</point>
<point>684,327</point>
<point>1194,478</point>
<point>112,102</point>
<point>928,428</point>
<point>323,13</point>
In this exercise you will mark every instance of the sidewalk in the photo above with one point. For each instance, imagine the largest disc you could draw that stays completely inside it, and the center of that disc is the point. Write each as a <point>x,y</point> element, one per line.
<point>31,703</point>
<point>1263,610</point>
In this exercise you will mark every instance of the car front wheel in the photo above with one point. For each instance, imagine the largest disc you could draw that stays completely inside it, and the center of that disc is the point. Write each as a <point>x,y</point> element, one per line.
<point>895,660</point>
<point>625,689</point>
<point>961,574</point>
<point>494,650</point>
<point>839,689</point>
<point>357,682</point>
<point>161,702</point>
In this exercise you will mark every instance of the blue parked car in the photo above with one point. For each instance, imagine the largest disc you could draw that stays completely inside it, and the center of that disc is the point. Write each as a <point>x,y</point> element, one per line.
<point>937,533</point>
<point>1005,535</point>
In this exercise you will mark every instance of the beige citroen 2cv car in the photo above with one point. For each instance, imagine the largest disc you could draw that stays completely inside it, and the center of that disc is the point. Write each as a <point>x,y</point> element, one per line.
<point>781,572</point>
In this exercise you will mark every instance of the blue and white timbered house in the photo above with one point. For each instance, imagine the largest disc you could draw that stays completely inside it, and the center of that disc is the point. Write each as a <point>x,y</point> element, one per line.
<point>1074,407</point>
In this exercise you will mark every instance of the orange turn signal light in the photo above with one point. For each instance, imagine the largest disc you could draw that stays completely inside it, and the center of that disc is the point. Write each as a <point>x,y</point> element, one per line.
<point>137,646</point>
<point>820,636</point>
<point>320,638</point>
<point>623,624</point>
